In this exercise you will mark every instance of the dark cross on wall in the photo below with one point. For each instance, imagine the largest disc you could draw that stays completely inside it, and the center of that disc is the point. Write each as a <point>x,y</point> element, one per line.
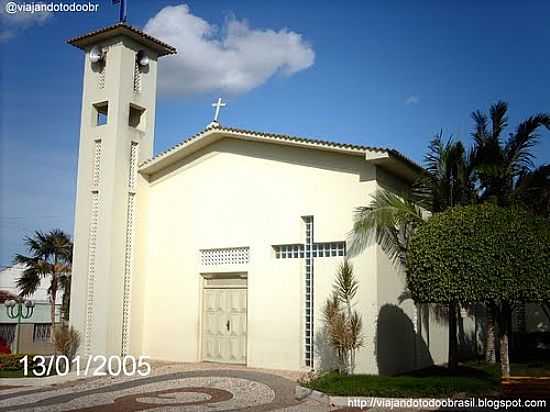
<point>309,251</point>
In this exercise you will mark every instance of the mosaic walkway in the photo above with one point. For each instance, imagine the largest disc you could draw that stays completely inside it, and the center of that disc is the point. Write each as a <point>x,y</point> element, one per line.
<point>193,390</point>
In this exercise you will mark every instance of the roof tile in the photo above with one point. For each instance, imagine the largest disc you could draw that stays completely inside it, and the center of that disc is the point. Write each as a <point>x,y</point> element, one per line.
<point>163,47</point>
<point>285,137</point>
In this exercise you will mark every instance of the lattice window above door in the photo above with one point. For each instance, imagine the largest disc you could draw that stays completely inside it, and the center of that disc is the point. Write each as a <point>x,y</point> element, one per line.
<point>225,256</point>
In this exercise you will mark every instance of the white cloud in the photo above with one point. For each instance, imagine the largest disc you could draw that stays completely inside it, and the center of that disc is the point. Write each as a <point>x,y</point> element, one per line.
<point>19,20</point>
<point>412,100</point>
<point>234,59</point>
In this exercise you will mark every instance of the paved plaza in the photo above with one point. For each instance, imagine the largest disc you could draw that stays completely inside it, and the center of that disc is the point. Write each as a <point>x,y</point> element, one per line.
<point>182,387</point>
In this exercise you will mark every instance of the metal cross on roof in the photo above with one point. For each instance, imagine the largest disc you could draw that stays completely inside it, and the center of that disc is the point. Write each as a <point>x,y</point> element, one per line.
<point>123,10</point>
<point>218,105</point>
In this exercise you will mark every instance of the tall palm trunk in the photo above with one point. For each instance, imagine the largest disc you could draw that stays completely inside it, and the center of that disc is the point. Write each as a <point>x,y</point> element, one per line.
<point>546,309</point>
<point>453,346</point>
<point>490,346</point>
<point>463,349</point>
<point>66,299</point>
<point>504,331</point>
<point>53,298</point>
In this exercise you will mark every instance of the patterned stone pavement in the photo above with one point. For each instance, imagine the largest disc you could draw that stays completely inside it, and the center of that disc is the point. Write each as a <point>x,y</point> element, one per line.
<point>167,389</point>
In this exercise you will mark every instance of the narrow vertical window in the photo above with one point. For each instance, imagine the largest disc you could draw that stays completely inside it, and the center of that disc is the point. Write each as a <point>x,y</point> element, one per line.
<point>101,113</point>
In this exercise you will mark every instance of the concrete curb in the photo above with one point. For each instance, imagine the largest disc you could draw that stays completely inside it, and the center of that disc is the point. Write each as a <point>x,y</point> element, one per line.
<point>303,394</point>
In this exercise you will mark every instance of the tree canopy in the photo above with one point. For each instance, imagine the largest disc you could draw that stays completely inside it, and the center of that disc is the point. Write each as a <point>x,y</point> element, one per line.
<point>480,253</point>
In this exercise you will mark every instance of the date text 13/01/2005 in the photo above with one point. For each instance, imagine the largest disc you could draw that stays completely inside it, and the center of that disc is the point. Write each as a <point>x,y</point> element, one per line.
<point>94,365</point>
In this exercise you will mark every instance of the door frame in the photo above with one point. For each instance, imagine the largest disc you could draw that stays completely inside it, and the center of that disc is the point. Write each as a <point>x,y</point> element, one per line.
<point>205,277</point>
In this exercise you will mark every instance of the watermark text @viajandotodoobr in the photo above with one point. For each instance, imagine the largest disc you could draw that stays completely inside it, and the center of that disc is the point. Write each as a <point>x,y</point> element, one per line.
<point>13,7</point>
<point>435,404</point>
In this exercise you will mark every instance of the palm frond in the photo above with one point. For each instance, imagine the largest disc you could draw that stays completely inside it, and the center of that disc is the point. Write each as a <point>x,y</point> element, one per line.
<point>50,254</point>
<point>38,244</point>
<point>61,244</point>
<point>481,133</point>
<point>499,119</point>
<point>331,308</point>
<point>345,286</point>
<point>532,190</point>
<point>385,220</point>
<point>449,177</point>
<point>434,160</point>
<point>28,283</point>
<point>517,151</point>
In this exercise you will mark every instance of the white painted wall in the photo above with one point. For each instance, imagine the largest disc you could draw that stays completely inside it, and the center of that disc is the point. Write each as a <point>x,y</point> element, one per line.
<point>236,193</point>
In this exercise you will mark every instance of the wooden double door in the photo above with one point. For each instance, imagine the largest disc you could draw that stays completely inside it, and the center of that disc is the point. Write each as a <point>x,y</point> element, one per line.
<point>224,325</point>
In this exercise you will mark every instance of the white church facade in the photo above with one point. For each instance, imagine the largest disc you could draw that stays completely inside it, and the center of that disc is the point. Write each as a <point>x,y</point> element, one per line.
<point>225,247</point>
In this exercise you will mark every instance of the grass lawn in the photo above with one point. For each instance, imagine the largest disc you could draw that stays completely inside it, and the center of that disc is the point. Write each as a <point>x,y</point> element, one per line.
<point>18,373</point>
<point>12,373</point>
<point>471,379</point>
<point>534,368</point>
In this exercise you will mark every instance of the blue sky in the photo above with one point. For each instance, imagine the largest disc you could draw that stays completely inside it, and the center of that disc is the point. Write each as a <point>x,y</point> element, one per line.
<point>378,73</point>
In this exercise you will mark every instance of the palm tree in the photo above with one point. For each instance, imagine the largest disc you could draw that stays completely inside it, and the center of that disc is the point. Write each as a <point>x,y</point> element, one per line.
<point>503,168</point>
<point>392,219</point>
<point>50,256</point>
<point>506,174</point>
<point>532,190</point>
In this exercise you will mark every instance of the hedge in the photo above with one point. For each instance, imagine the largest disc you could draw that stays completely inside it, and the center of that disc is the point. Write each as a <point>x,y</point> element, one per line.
<point>11,361</point>
<point>480,253</point>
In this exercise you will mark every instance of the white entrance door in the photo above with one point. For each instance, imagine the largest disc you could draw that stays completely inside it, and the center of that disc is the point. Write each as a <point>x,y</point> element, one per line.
<point>224,325</point>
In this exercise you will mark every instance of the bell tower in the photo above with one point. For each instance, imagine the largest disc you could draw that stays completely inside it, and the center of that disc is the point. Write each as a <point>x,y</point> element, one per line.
<point>116,135</point>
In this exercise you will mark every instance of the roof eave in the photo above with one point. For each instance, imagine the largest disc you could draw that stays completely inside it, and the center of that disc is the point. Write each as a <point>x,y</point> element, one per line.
<point>210,135</point>
<point>388,159</point>
<point>397,164</point>
<point>122,29</point>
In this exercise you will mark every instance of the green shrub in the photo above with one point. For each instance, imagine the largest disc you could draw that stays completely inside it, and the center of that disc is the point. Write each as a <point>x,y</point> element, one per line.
<point>12,361</point>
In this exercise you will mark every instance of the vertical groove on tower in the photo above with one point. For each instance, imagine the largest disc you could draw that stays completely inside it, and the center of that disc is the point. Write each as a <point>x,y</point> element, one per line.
<point>129,250</point>
<point>92,239</point>
<point>101,75</point>
<point>137,78</point>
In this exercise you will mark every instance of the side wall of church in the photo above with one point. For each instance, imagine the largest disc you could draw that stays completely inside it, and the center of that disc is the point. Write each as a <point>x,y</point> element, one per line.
<point>410,336</point>
<point>250,194</point>
<point>407,336</point>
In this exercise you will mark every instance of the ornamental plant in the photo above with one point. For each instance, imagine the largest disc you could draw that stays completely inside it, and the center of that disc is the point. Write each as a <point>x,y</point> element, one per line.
<point>67,341</point>
<point>482,253</point>
<point>343,323</point>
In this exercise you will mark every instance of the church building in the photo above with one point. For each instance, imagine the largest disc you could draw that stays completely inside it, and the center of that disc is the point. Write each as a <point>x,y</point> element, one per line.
<point>225,247</point>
